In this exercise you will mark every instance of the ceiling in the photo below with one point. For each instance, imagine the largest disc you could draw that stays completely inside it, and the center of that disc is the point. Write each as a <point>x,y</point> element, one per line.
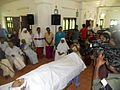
<point>2,2</point>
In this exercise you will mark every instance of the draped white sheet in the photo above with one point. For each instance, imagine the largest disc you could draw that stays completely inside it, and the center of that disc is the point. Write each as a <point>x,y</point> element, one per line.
<point>54,75</point>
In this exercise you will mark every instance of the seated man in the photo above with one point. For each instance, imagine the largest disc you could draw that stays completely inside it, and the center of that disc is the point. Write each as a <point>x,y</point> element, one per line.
<point>2,54</point>
<point>7,68</point>
<point>15,55</point>
<point>75,47</point>
<point>3,45</point>
<point>105,37</point>
<point>111,59</point>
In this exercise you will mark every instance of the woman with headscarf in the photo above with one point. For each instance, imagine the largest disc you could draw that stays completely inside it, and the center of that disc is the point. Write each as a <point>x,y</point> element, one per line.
<point>62,49</point>
<point>25,35</point>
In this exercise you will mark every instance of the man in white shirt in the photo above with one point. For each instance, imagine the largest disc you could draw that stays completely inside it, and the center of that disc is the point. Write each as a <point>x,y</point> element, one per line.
<point>96,28</point>
<point>39,44</point>
<point>3,45</point>
<point>15,55</point>
<point>7,68</point>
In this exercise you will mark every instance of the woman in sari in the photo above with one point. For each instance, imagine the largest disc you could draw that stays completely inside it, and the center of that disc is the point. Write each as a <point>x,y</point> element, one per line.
<point>49,43</point>
<point>29,52</point>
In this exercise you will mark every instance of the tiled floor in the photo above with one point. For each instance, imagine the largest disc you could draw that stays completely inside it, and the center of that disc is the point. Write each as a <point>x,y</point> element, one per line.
<point>85,77</point>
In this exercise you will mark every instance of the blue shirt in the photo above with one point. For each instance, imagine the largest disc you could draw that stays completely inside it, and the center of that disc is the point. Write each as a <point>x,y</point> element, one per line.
<point>58,37</point>
<point>3,33</point>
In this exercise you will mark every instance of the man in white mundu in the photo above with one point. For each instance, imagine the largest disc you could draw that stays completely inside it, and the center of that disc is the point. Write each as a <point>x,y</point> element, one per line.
<point>7,68</point>
<point>15,55</point>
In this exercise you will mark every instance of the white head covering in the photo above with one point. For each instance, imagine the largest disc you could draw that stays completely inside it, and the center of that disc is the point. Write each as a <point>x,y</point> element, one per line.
<point>25,36</point>
<point>19,88</point>
<point>62,47</point>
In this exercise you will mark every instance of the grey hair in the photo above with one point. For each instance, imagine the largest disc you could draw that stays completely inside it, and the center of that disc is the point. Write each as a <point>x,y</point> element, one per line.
<point>113,58</point>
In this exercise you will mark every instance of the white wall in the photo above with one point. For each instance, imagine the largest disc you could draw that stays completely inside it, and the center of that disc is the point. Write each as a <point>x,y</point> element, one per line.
<point>42,9</point>
<point>0,16</point>
<point>110,12</point>
<point>89,11</point>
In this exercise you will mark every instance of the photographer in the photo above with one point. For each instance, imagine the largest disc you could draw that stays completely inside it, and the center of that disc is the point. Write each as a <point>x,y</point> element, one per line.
<point>111,59</point>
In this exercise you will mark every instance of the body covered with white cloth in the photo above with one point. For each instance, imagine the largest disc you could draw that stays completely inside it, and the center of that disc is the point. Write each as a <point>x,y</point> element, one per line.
<point>52,76</point>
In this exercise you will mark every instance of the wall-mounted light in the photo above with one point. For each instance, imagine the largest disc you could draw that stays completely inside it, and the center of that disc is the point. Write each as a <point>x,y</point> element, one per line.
<point>77,13</point>
<point>102,15</point>
<point>56,10</point>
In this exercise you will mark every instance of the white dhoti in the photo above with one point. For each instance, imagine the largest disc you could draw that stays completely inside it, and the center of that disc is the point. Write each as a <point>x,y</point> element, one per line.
<point>6,67</point>
<point>18,62</point>
<point>15,56</point>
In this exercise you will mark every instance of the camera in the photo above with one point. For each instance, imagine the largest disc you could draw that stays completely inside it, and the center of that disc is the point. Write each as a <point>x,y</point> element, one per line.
<point>96,47</point>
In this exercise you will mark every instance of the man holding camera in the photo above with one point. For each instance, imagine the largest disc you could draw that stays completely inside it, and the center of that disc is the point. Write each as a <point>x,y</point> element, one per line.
<point>111,59</point>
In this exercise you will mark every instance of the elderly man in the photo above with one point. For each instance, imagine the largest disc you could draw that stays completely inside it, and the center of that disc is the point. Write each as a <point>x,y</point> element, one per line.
<point>3,33</point>
<point>15,55</point>
<point>7,68</point>
<point>111,59</point>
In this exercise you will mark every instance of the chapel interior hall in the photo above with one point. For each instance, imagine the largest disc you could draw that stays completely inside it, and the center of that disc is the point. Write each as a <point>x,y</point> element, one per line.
<point>59,45</point>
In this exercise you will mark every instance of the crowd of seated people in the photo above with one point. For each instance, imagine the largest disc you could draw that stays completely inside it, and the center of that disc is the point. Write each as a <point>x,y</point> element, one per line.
<point>105,55</point>
<point>32,45</point>
<point>24,47</point>
<point>20,49</point>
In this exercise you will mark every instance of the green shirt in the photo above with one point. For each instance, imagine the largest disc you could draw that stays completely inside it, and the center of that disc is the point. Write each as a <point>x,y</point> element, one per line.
<point>112,79</point>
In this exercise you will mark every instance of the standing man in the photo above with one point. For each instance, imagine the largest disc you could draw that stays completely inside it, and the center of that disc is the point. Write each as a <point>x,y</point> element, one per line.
<point>83,32</point>
<point>3,33</point>
<point>96,28</point>
<point>39,44</point>
<point>75,34</point>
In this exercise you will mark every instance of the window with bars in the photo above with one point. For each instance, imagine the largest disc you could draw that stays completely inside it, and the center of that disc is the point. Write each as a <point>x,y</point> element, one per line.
<point>9,23</point>
<point>101,22</point>
<point>113,22</point>
<point>69,23</point>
